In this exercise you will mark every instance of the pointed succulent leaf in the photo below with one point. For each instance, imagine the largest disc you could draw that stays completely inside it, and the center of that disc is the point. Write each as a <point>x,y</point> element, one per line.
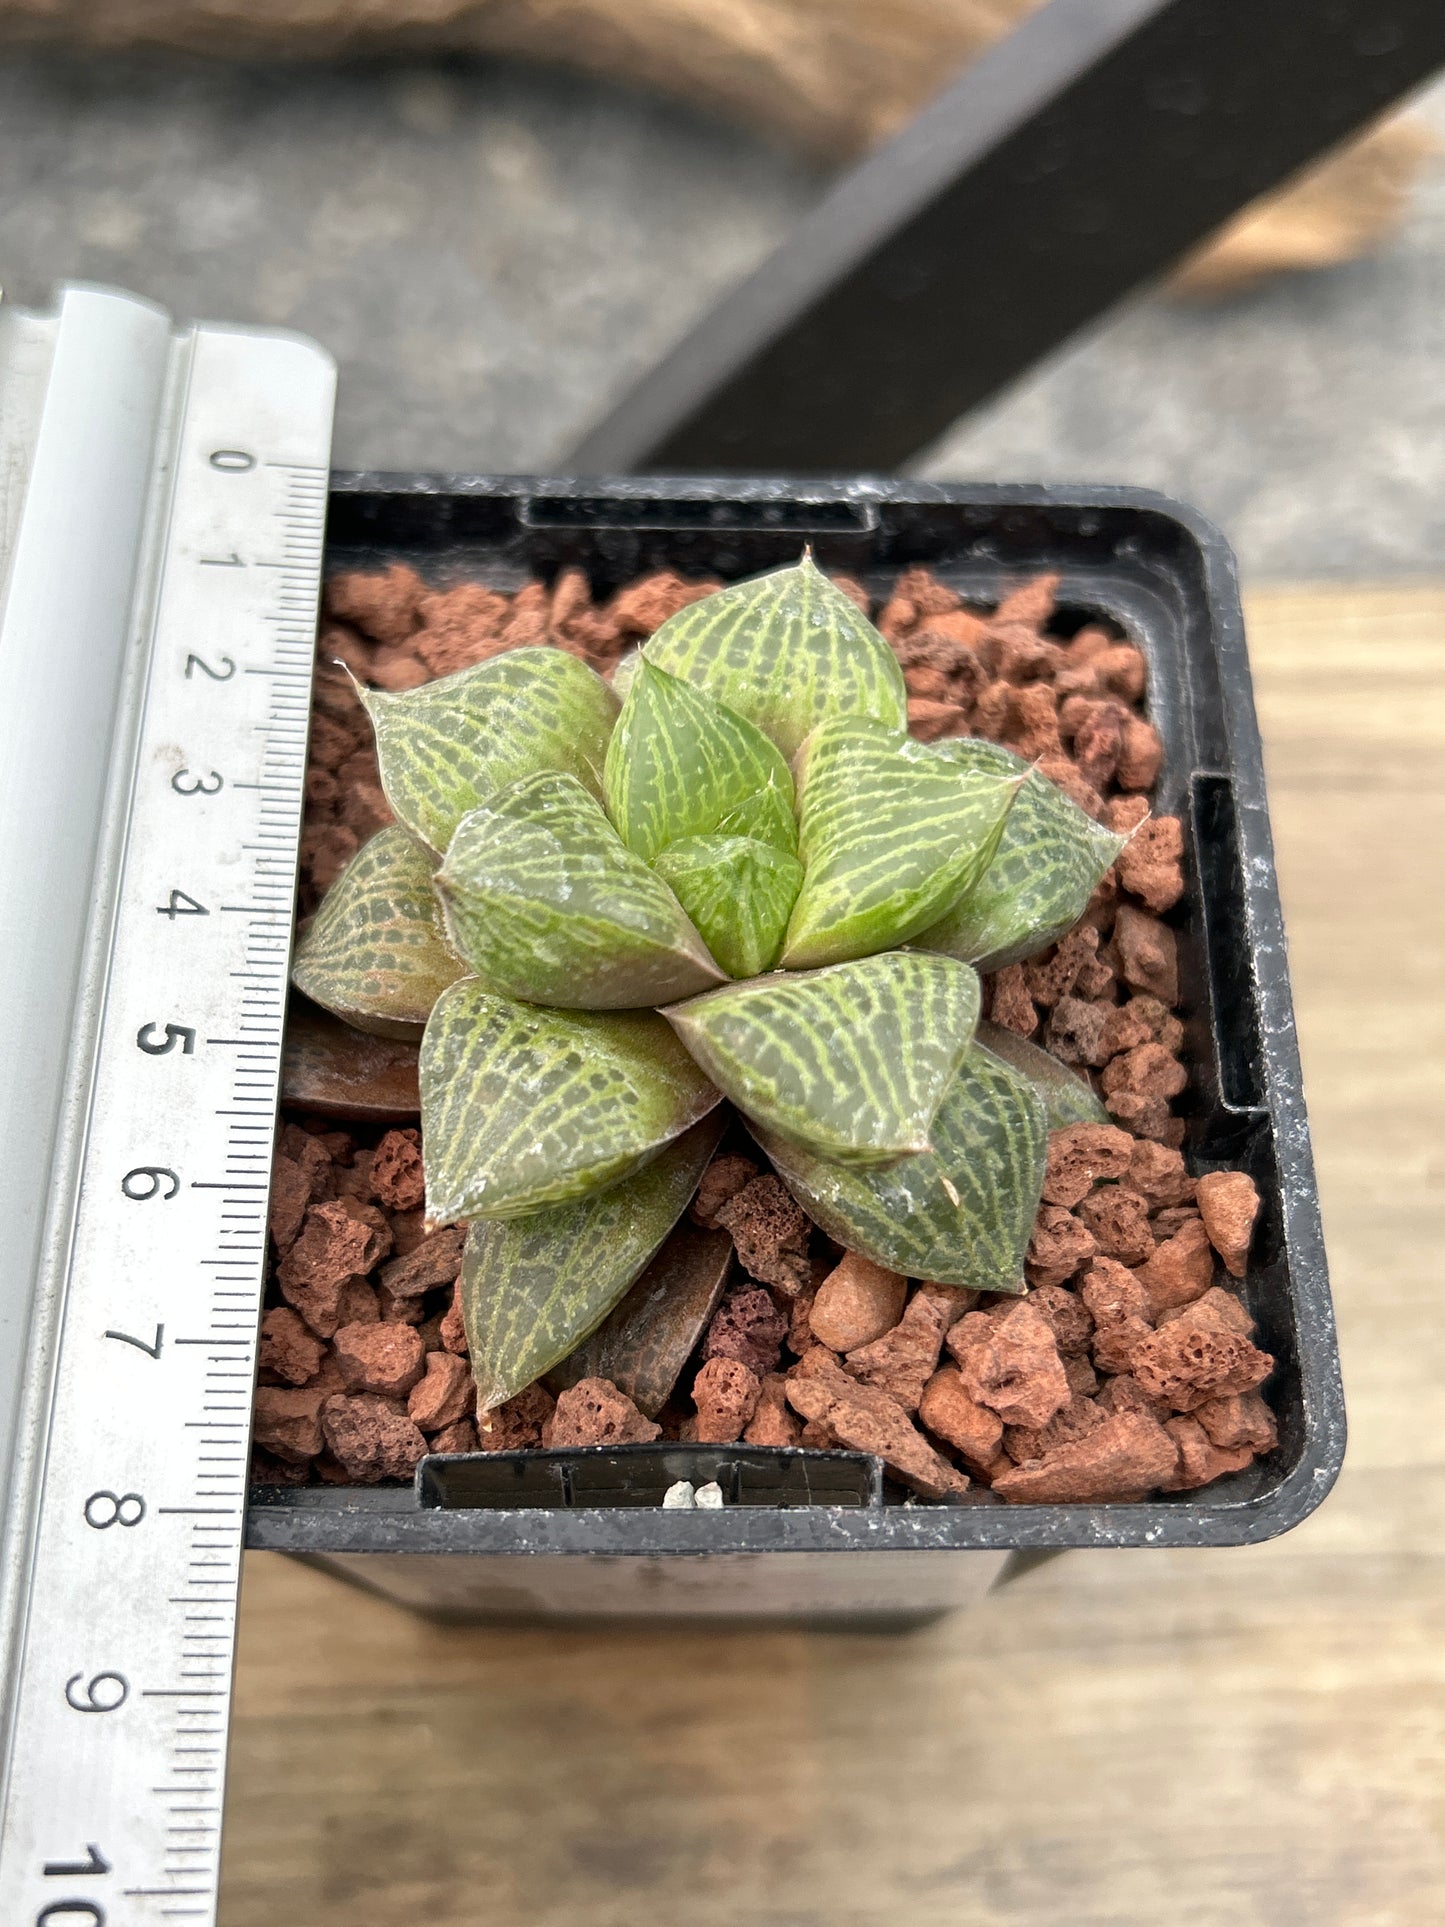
<point>444,748</point>
<point>786,650</point>
<point>850,1063</point>
<point>523,1107</point>
<point>534,1288</point>
<point>545,900</point>
<point>1067,1097</point>
<point>679,762</point>
<point>645,1340</point>
<point>375,953</point>
<point>1047,865</point>
<point>738,892</point>
<point>766,815</point>
<point>960,1214</point>
<point>890,837</point>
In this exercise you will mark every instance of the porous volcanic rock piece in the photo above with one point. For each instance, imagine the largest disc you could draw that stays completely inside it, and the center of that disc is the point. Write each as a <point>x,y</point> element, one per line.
<point>1141,757</point>
<point>772,1423</point>
<point>1059,1246</point>
<point>288,1349</point>
<point>1169,1222</point>
<point>857,1302</point>
<point>1218,1308</point>
<point>1200,1459</point>
<point>396,1171</point>
<point>437,1260</point>
<point>747,1326</point>
<point>1081,1375</point>
<point>460,628</point>
<point>1147,1074</point>
<point>721,1182</point>
<point>266,1470</point>
<point>1118,1220</point>
<point>1075,1031</point>
<point>371,1439</point>
<point>383,604</point>
<point>453,1331</point>
<point>725,1393</point>
<point>594,1412</point>
<point>1011,1004</point>
<point>1068,1318</point>
<point>1081,1156</point>
<point>1127,1457</point>
<point>384,1359</point>
<point>293,1188</point>
<point>287,1423</point>
<point>960,1421</point>
<point>1241,1418</point>
<point>1124,1393</point>
<point>358,1304</point>
<point>1150,865</point>
<point>1180,1270</point>
<point>1195,1357</point>
<point>1078,1418</point>
<point>517,1425</point>
<point>866,1420</point>
<point>903,1360</point>
<point>405,1311</point>
<point>770,1232</point>
<point>928,719</point>
<point>1157,1173</point>
<point>1119,1307</point>
<point>1142,1020</point>
<point>800,1330</point>
<point>1011,1364</point>
<point>408,1230</point>
<point>1055,973</point>
<point>443,1396</point>
<point>1148,953</point>
<point>1099,743</point>
<point>461,1437</point>
<point>340,1240</point>
<point>1229,1204</point>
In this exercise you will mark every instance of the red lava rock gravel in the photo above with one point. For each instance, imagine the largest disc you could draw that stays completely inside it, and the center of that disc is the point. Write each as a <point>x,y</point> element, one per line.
<point>1126,1370</point>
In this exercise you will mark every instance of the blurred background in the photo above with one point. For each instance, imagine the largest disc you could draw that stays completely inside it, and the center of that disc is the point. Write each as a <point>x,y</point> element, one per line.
<point>498,214</point>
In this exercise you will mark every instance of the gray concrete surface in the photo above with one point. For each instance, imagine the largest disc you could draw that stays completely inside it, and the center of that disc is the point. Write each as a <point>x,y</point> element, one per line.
<point>493,251</point>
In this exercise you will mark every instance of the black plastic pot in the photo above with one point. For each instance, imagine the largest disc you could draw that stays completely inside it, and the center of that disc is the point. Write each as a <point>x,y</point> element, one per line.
<point>584,1532</point>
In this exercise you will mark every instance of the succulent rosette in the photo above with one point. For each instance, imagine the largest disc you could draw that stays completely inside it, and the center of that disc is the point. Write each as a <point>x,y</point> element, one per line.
<point>609,912</point>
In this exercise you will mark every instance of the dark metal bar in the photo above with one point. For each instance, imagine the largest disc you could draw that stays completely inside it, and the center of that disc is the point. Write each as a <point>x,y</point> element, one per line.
<point>1080,158</point>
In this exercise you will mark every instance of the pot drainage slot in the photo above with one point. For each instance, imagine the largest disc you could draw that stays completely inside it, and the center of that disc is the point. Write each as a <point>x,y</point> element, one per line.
<point>1227,944</point>
<point>640,1475</point>
<point>688,512</point>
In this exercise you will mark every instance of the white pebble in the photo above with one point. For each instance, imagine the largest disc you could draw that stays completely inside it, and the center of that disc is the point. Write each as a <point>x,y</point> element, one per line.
<point>681,1498</point>
<point>709,1496</point>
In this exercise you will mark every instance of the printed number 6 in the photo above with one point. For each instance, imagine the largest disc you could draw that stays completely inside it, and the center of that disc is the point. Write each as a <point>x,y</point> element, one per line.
<point>91,1704</point>
<point>153,1176</point>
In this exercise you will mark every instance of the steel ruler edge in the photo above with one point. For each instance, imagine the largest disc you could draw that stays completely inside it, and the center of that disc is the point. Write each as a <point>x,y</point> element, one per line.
<point>162,512</point>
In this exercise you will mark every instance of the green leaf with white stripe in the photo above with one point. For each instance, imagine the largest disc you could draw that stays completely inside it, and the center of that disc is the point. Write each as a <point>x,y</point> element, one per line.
<point>1047,866</point>
<point>767,816</point>
<point>679,762</point>
<point>849,1063</point>
<point>523,1107</point>
<point>890,836</point>
<point>960,1214</point>
<point>786,650</point>
<point>533,1288</point>
<point>375,953</point>
<point>1067,1097</point>
<point>545,900</point>
<point>446,747</point>
<point>738,892</point>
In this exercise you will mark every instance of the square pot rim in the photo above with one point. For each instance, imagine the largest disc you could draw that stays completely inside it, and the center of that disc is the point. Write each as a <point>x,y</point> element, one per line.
<point>388,1520</point>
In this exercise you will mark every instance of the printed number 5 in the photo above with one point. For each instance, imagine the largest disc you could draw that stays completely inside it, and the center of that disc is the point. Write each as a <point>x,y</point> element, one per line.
<point>175,1034</point>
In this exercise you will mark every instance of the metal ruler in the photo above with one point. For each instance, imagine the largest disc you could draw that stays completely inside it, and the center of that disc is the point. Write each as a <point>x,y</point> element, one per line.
<point>162,505</point>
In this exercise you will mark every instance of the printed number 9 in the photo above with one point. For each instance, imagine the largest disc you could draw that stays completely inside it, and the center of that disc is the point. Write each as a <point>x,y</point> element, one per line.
<point>92,1704</point>
<point>152,1176</point>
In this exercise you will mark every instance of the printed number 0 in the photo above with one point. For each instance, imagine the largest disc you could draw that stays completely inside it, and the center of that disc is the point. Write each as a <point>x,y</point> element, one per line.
<point>118,1508</point>
<point>153,1175</point>
<point>90,1704</point>
<point>232,461</point>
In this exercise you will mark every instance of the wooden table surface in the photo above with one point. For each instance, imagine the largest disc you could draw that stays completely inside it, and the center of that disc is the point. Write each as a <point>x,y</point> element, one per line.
<point>1246,1738</point>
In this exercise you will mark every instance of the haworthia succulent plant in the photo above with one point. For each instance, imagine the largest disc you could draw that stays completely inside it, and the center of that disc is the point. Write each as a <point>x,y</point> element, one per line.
<point>534,1288</point>
<point>849,1063</point>
<point>376,953</point>
<point>767,816</point>
<point>524,1107</point>
<point>738,892</point>
<point>787,650</point>
<point>890,836</point>
<point>545,900</point>
<point>960,1214</point>
<point>1047,865</point>
<point>1067,1098</point>
<point>679,762</point>
<point>446,747</point>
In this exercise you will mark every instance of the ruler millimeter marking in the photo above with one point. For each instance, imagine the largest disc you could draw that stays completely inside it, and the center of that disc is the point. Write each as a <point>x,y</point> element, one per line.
<point>122,1644</point>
